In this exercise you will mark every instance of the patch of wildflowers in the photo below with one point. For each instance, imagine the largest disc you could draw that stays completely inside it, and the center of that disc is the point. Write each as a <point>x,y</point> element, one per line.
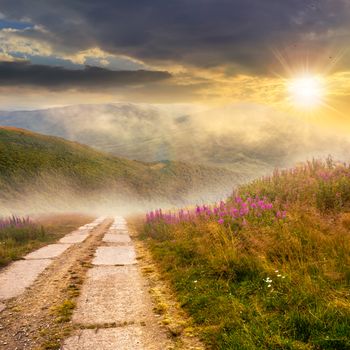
<point>240,211</point>
<point>14,221</point>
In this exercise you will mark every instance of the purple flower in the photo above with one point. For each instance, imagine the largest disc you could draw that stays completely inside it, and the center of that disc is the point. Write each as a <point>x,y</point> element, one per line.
<point>281,214</point>
<point>238,200</point>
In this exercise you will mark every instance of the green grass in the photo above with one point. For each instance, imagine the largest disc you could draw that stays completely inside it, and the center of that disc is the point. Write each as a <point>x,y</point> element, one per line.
<point>15,242</point>
<point>64,311</point>
<point>32,163</point>
<point>268,284</point>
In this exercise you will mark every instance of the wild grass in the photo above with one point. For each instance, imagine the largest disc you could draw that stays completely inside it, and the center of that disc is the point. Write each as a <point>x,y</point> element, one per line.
<point>19,236</point>
<point>272,277</point>
<point>64,311</point>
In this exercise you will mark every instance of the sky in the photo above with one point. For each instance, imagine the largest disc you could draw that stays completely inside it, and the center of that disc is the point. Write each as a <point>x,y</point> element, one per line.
<point>290,55</point>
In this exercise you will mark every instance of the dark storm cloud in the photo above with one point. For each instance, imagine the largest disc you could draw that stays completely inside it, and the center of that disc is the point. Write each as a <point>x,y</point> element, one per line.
<point>24,73</point>
<point>200,32</point>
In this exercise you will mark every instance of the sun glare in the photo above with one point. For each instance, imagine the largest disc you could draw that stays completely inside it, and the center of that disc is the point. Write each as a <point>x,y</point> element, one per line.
<point>306,91</point>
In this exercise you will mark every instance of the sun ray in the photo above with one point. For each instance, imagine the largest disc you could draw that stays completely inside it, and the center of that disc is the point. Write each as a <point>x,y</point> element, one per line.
<point>306,91</point>
<point>308,82</point>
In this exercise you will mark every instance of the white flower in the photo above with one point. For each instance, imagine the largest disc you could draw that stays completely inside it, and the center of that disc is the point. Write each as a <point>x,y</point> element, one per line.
<point>279,275</point>
<point>269,286</point>
<point>195,281</point>
<point>276,271</point>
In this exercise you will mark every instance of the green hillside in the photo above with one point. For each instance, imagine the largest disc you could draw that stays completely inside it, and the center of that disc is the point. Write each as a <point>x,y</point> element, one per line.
<point>32,163</point>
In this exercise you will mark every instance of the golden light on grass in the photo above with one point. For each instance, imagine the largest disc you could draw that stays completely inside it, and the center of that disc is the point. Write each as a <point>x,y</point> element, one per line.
<point>306,92</point>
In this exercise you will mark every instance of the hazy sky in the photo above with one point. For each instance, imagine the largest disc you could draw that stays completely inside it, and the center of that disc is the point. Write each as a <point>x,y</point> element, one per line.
<point>58,52</point>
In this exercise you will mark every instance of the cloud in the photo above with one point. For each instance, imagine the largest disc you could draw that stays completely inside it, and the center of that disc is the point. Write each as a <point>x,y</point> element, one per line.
<point>18,44</point>
<point>58,78</point>
<point>219,51</point>
<point>205,33</point>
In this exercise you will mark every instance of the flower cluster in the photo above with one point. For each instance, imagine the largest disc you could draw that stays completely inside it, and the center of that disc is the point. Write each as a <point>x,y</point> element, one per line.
<point>281,214</point>
<point>236,210</point>
<point>14,221</point>
<point>268,280</point>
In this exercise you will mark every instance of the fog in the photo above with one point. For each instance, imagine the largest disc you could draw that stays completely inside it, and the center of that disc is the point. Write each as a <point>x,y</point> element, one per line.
<point>245,136</point>
<point>249,139</point>
<point>57,191</point>
<point>58,196</point>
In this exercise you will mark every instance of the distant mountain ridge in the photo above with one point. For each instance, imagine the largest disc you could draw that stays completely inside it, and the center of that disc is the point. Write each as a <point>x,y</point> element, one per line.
<point>39,171</point>
<point>136,131</point>
<point>248,139</point>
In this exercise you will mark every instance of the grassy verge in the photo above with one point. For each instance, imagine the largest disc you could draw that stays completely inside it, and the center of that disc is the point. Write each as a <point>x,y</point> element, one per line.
<point>269,268</point>
<point>170,314</point>
<point>16,240</point>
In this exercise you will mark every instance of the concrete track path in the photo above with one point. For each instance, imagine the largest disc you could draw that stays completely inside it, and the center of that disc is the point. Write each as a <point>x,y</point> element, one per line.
<point>114,309</point>
<point>85,292</point>
<point>32,289</point>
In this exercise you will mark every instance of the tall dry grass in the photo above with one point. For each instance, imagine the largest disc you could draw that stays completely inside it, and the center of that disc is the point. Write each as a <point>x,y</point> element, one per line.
<point>272,279</point>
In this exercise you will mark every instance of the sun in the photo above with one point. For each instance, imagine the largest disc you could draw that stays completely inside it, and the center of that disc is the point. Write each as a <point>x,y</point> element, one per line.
<point>306,91</point>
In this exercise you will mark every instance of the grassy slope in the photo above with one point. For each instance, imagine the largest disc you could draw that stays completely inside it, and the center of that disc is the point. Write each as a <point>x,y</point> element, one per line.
<point>268,283</point>
<point>29,159</point>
